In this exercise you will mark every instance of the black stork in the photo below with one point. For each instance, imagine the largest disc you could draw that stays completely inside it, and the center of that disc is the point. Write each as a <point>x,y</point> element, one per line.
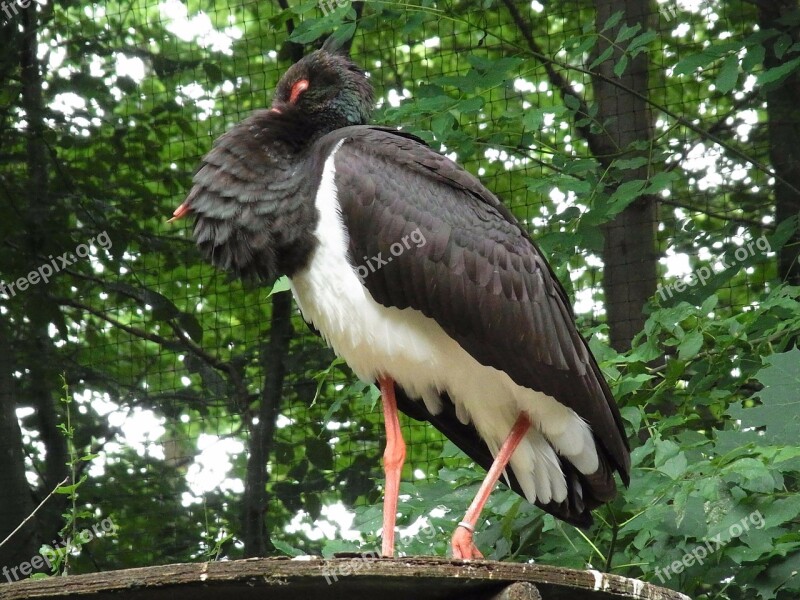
<point>423,281</point>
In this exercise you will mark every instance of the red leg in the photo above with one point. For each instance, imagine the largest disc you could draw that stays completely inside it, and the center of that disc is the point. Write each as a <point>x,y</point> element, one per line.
<point>393,458</point>
<point>462,544</point>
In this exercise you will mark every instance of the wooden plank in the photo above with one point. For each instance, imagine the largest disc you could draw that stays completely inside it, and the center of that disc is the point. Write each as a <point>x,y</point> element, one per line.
<point>313,578</point>
<point>520,590</point>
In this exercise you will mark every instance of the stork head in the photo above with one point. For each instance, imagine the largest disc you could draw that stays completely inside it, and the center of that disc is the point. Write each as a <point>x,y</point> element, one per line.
<point>326,90</point>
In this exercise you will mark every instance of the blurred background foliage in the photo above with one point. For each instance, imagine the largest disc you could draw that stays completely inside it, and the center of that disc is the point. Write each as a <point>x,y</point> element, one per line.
<point>640,142</point>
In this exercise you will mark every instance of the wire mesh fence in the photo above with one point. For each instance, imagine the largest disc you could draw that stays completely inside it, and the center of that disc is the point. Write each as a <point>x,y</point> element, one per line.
<point>171,364</point>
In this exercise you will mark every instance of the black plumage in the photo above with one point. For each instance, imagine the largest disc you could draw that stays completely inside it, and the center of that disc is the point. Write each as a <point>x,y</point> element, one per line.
<point>505,307</point>
<point>479,275</point>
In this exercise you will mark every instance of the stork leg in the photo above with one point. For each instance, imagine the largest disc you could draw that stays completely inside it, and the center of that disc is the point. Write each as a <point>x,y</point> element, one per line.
<point>393,458</point>
<point>461,542</point>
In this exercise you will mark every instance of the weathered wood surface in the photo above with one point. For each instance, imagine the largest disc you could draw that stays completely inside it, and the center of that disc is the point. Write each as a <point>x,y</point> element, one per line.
<point>340,578</point>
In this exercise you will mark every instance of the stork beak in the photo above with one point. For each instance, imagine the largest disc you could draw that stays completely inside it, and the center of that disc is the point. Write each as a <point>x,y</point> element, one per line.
<point>277,107</point>
<point>179,213</point>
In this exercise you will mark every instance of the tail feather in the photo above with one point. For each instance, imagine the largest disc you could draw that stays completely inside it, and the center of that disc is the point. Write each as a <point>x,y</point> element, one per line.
<point>584,492</point>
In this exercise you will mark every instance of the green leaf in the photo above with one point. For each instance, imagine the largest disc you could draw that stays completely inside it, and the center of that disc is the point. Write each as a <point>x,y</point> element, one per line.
<point>782,44</point>
<point>675,467</point>
<point>690,64</point>
<point>213,382</point>
<point>191,326</point>
<point>282,285</point>
<point>783,233</point>
<point>213,72</point>
<point>630,163</point>
<point>163,308</point>
<point>751,474</point>
<point>533,119</point>
<point>345,31</point>
<point>604,56</point>
<point>631,384</point>
<point>626,32</point>
<point>442,124</point>
<point>626,193</point>
<point>584,45</point>
<point>709,304</point>
<point>571,102</point>
<point>319,453</point>
<point>491,73</point>
<point>779,412</point>
<point>690,345</point>
<point>633,415</point>
<point>313,29</point>
<point>783,574</point>
<point>728,74</point>
<point>286,548</point>
<point>335,546</point>
<point>591,238</point>
<point>665,449</point>
<point>613,20</point>
<point>778,73</point>
<point>621,65</point>
<point>641,42</point>
<point>753,58</point>
<point>783,510</point>
<point>471,105</point>
<point>303,7</point>
<point>69,489</point>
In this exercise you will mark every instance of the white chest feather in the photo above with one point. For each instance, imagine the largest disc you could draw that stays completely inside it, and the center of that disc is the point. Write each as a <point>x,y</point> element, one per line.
<point>418,354</point>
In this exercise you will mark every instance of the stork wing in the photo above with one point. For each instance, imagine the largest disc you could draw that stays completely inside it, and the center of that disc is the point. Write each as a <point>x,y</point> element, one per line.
<point>477,274</point>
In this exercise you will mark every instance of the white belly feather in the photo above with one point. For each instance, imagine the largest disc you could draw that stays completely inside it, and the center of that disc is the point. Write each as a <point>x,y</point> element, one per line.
<point>416,352</point>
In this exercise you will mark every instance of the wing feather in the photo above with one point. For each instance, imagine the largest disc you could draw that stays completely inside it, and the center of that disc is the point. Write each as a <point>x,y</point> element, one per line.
<point>478,275</point>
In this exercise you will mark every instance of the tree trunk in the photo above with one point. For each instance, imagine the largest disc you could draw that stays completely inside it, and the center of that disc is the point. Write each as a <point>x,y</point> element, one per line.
<point>16,501</point>
<point>630,251</point>
<point>783,116</point>
<point>42,379</point>
<point>256,536</point>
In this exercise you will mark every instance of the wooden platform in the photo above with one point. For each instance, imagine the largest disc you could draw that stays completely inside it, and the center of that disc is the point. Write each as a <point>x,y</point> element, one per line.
<point>355,577</point>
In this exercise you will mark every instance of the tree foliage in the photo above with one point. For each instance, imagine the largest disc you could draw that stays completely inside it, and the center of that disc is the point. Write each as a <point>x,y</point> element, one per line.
<point>169,360</point>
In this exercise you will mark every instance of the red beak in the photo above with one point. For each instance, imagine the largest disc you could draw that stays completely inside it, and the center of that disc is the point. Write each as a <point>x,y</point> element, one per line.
<point>179,213</point>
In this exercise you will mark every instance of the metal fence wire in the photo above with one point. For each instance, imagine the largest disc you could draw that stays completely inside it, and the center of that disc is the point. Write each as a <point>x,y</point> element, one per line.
<point>172,367</point>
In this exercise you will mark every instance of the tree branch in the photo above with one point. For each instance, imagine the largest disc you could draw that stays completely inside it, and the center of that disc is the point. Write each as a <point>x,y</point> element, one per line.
<point>549,62</point>
<point>558,81</point>
<point>33,514</point>
<point>183,343</point>
<point>715,215</point>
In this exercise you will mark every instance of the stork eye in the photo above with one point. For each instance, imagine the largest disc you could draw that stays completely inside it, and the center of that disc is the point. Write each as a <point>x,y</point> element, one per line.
<point>298,87</point>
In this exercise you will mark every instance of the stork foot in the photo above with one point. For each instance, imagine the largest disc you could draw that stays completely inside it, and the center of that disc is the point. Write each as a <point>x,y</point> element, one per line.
<point>463,546</point>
